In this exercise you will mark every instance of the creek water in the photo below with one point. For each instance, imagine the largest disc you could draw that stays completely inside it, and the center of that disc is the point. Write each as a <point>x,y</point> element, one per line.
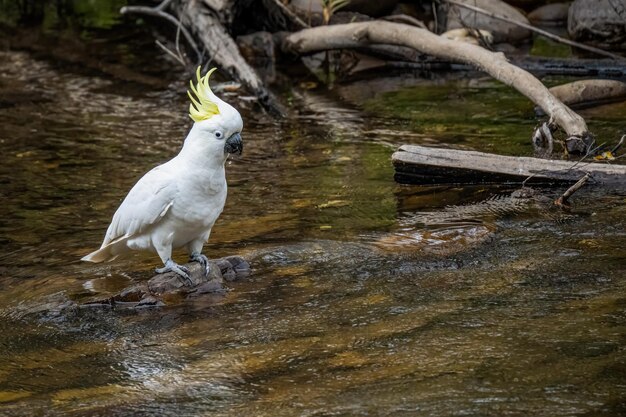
<point>366,297</point>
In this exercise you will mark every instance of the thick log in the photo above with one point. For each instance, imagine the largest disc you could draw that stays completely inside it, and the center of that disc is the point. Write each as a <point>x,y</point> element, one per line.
<point>355,35</point>
<point>590,92</point>
<point>423,165</point>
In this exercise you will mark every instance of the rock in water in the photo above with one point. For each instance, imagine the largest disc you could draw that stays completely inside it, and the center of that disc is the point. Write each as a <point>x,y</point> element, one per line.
<point>460,17</point>
<point>257,46</point>
<point>171,282</point>
<point>162,288</point>
<point>599,21</point>
<point>553,14</point>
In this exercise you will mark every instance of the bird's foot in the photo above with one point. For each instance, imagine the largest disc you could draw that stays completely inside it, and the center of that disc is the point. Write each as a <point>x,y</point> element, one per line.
<point>171,266</point>
<point>202,260</point>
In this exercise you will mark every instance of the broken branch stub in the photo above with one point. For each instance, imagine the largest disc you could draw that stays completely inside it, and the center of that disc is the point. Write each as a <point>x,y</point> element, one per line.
<point>355,35</point>
<point>562,201</point>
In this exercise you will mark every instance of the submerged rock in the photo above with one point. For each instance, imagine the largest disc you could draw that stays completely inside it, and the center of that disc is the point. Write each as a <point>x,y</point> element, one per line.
<point>442,242</point>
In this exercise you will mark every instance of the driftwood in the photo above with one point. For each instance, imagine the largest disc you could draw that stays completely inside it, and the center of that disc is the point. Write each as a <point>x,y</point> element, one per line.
<point>355,35</point>
<point>590,92</point>
<point>422,165</point>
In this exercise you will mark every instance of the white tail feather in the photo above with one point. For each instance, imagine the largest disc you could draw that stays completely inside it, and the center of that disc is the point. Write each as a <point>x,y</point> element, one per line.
<point>108,252</point>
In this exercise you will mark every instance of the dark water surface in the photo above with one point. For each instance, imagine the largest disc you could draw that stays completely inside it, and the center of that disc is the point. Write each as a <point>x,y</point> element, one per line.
<point>367,298</point>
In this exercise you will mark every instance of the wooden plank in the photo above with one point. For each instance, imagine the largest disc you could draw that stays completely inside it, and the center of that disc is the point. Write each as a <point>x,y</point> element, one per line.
<point>424,165</point>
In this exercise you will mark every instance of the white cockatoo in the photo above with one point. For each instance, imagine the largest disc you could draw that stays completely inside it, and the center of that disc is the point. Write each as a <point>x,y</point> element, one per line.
<point>177,203</point>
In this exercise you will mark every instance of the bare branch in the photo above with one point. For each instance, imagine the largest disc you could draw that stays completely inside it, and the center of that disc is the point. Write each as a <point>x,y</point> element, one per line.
<point>290,14</point>
<point>158,12</point>
<point>171,53</point>
<point>562,200</point>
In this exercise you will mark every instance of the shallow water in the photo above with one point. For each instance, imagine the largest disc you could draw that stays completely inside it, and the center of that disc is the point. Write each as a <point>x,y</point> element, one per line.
<point>367,298</point>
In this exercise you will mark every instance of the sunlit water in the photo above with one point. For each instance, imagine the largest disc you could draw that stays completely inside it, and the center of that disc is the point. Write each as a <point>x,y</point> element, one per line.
<point>367,298</point>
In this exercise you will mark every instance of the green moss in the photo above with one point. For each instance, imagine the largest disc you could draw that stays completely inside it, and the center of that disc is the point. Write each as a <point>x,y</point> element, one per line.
<point>545,47</point>
<point>485,116</point>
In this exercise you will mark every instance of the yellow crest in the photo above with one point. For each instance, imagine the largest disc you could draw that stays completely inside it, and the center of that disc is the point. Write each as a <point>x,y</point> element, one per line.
<point>203,107</point>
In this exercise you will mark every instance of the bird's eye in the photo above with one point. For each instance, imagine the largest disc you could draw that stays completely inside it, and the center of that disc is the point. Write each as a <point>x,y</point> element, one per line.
<point>218,134</point>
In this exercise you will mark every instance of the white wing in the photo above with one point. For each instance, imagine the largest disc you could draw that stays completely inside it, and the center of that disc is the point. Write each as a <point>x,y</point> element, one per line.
<point>146,203</point>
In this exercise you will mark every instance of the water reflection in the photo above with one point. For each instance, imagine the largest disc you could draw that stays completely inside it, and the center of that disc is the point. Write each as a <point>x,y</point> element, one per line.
<point>367,297</point>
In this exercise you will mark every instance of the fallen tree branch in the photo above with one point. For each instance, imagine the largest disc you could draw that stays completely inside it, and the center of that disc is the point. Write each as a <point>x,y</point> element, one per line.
<point>562,200</point>
<point>355,35</point>
<point>423,165</point>
<point>541,32</point>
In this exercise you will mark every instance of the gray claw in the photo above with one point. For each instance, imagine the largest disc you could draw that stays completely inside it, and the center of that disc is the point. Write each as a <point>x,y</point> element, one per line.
<point>202,260</point>
<point>171,266</point>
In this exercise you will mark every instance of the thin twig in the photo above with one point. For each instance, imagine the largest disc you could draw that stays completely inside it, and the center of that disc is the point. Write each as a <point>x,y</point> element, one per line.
<point>619,145</point>
<point>537,30</point>
<point>156,11</point>
<point>562,200</point>
<point>291,15</point>
<point>403,18</point>
<point>586,155</point>
<point>171,53</point>
<point>177,42</point>
<point>163,5</point>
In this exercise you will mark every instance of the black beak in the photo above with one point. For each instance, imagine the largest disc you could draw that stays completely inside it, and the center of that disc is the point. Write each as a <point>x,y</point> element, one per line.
<point>234,144</point>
